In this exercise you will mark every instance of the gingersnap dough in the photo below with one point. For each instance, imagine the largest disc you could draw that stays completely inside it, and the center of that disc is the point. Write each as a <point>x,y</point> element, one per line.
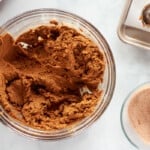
<point>139,113</point>
<point>145,16</point>
<point>49,78</point>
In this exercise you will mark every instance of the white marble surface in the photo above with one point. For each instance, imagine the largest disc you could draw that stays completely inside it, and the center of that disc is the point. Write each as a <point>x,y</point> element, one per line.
<point>132,69</point>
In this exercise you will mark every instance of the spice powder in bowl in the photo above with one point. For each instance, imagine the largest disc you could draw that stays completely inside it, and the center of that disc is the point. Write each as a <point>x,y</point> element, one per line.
<point>139,112</point>
<point>49,78</point>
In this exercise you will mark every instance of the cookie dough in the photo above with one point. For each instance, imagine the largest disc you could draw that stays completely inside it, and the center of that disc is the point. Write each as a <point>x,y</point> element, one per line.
<point>145,17</point>
<point>49,76</point>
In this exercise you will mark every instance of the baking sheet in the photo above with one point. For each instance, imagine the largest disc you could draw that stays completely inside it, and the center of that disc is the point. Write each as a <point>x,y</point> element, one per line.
<point>133,18</point>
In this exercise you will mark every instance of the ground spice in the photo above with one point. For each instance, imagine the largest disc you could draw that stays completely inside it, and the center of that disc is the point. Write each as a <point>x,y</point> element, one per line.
<point>139,113</point>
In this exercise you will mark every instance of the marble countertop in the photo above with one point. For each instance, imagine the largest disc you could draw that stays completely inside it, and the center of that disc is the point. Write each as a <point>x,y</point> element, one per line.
<point>132,66</point>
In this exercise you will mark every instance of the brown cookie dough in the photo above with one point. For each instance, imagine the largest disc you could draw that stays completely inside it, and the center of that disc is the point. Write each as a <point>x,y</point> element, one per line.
<point>49,78</point>
<point>145,16</point>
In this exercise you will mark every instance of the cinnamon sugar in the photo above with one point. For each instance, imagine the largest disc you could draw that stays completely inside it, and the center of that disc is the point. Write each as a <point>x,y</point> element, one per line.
<point>139,113</point>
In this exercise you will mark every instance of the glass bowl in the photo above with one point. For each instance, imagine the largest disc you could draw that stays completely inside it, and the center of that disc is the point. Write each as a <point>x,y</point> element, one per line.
<point>128,130</point>
<point>33,18</point>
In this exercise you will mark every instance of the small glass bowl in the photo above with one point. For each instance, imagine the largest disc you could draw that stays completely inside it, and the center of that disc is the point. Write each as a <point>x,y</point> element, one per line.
<point>38,17</point>
<point>127,128</point>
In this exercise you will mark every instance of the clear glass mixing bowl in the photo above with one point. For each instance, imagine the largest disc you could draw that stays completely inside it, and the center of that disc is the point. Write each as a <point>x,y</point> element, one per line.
<point>30,19</point>
<point>128,129</point>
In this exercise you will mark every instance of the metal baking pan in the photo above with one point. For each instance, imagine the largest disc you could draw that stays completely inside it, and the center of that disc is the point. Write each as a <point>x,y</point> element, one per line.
<point>131,29</point>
